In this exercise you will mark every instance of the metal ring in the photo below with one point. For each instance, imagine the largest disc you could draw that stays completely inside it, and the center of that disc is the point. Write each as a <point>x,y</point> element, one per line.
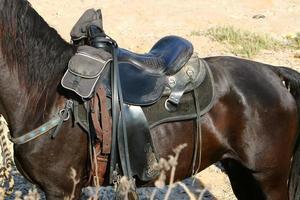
<point>61,114</point>
<point>169,106</point>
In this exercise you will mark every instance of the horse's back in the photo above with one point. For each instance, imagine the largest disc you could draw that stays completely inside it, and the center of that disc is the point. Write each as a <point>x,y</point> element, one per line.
<point>262,111</point>
<point>255,82</point>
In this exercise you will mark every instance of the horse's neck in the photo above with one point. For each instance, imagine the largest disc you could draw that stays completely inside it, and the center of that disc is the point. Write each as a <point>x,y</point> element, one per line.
<point>32,61</point>
<point>25,108</point>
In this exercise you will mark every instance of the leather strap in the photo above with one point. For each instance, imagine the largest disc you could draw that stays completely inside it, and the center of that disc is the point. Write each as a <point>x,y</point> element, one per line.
<point>95,116</point>
<point>100,165</point>
<point>115,114</point>
<point>105,122</point>
<point>119,134</point>
<point>198,138</point>
<point>57,122</point>
<point>103,132</point>
<point>64,116</point>
<point>103,129</point>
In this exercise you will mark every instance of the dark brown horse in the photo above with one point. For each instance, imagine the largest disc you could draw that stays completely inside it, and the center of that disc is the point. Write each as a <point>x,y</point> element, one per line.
<point>251,129</point>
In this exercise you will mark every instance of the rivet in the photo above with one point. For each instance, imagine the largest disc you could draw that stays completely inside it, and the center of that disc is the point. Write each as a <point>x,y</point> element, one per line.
<point>172,81</point>
<point>190,73</point>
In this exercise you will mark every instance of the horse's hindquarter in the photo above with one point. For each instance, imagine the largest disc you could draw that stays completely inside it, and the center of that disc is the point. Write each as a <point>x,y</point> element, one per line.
<point>255,116</point>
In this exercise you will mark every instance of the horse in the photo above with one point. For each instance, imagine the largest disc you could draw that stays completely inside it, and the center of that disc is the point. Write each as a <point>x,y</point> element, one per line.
<point>252,127</point>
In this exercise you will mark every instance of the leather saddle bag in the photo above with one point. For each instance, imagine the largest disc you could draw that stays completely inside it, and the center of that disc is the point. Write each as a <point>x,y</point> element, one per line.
<point>85,69</point>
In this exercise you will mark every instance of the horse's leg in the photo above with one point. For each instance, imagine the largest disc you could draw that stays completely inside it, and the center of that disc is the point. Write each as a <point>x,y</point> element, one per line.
<point>273,186</point>
<point>247,184</point>
<point>55,187</point>
<point>242,181</point>
<point>265,178</point>
<point>50,195</point>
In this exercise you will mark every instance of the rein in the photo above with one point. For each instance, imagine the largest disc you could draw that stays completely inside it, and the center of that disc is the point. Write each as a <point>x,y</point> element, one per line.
<point>56,121</point>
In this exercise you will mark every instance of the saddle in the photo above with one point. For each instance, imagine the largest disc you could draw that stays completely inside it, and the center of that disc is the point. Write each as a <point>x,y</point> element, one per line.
<point>134,89</point>
<point>144,77</point>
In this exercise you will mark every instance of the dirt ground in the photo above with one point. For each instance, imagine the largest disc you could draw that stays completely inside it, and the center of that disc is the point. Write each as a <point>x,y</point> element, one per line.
<point>138,24</point>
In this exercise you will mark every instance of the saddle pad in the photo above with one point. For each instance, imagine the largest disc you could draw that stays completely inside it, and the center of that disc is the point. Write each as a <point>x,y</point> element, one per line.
<point>84,70</point>
<point>156,114</point>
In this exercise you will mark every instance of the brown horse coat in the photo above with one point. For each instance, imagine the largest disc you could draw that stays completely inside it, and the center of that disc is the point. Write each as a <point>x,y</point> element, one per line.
<point>251,128</point>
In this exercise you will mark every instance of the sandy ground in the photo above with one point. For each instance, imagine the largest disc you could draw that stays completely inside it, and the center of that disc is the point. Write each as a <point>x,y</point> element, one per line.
<point>138,24</point>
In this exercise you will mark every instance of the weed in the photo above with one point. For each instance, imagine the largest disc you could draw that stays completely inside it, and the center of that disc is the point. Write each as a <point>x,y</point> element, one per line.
<point>243,43</point>
<point>196,33</point>
<point>293,40</point>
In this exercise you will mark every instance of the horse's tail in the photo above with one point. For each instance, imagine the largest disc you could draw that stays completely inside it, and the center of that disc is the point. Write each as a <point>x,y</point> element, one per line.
<point>291,79</point>
<point>6,178</point>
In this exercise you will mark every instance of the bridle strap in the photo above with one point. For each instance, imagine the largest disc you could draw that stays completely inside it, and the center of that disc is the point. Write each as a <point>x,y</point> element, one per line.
<point>44,128</point>
<point>56,121</point>
<point>64,116</point>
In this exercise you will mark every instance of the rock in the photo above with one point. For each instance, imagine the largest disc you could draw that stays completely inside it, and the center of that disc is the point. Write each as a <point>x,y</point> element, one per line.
<point>107,193</point>
<point>259,16</point>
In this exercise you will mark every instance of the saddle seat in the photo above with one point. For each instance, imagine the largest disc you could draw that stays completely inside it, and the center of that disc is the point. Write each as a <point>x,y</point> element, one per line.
<point>166,57</point>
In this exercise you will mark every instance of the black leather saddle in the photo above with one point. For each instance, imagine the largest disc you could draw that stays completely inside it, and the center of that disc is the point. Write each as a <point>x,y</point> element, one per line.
<point>166,57</point>
<point>143,76</point>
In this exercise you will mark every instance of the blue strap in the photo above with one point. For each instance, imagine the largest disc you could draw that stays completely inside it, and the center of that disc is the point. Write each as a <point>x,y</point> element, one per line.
<point>44,128</point>
<point>36,132</point>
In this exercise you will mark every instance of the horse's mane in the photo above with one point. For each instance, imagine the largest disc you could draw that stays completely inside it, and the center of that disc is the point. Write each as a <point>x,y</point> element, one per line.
<point>30,47</point>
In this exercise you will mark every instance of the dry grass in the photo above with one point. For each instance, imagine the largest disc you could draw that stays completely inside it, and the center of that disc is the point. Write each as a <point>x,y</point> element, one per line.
<point>293,41</point>
<point>249,44</point>
<point>170,165</point>
<point>165,166</point>
<point>243,43</point>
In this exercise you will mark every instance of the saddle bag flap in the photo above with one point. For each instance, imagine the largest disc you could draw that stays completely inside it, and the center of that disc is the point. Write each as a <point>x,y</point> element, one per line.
<point>84,70</point>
